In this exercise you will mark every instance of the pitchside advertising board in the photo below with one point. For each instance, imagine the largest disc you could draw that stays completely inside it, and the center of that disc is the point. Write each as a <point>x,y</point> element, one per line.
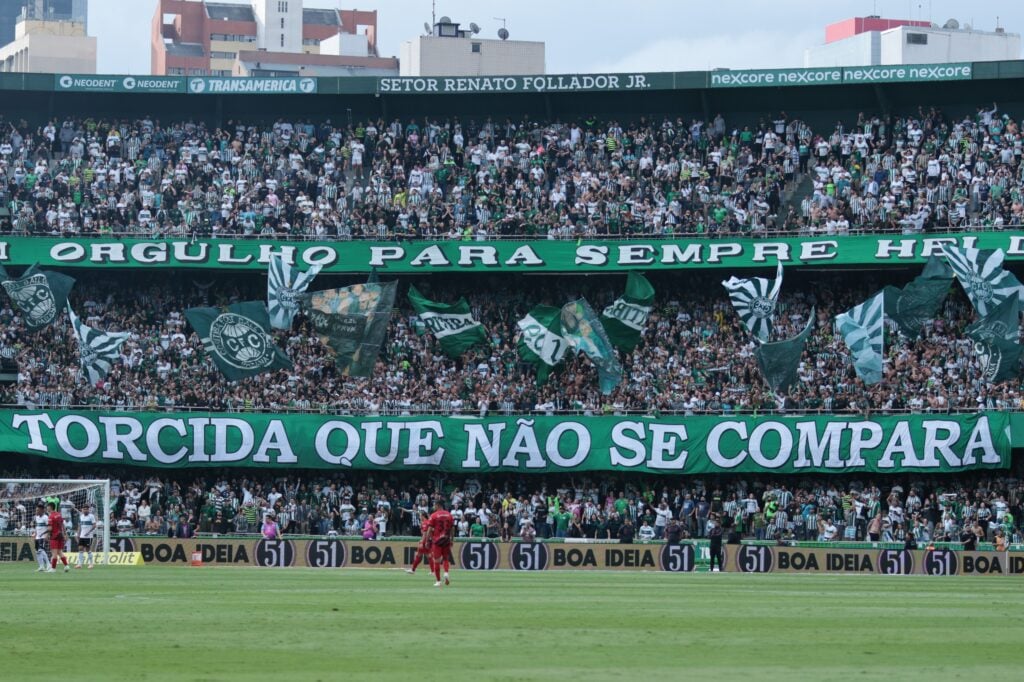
<point>821,444</point>
<point>536,556</point>
<point>541,255</point>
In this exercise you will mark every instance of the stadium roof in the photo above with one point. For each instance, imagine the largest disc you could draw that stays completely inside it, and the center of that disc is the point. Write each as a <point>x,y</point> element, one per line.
<point>322,17</point>
<point>229,12</point>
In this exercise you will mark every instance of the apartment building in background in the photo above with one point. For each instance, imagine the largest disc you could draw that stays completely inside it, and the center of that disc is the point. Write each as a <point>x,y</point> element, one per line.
<point>46,36</point>
<point>264,38</point>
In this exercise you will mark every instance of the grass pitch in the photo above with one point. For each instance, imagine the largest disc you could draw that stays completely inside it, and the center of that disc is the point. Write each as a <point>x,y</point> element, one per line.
<point>156,623</point>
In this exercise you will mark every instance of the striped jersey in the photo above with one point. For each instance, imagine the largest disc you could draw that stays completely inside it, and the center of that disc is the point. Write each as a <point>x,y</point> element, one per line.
<point>86,526</point>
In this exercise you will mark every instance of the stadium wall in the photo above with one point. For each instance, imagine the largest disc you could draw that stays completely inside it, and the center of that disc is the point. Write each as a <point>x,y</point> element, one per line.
<point>819,96</point>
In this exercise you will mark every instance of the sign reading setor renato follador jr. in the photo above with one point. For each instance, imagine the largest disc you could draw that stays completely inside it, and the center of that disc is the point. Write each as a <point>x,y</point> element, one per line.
<point>681,445</point>
<point>511,256</point>
<point>563,83</point>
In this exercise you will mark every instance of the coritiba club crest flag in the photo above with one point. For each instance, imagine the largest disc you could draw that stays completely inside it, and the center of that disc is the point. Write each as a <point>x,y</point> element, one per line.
<point>754,300</point>
<point>996,342</point>
<point>584,332</point>
<point>353,323</point>
<point>285,287</point>
<point>540,339</point>
<point>98,351</point>
<point>238,339</point>
<point>862,328</point>
<point>452,325</point>
<point>779,361</point>
<point>40,295</point>
<point>625,319</point>
<point>982,276</point>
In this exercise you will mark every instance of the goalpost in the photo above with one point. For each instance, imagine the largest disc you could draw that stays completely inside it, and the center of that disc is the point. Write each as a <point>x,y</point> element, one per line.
<point>19,496</point>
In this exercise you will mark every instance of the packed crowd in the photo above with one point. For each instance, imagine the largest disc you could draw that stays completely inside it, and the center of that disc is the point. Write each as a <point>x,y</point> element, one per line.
<point>376,506</point>
<point>458,178</point>
<point>694,357</point>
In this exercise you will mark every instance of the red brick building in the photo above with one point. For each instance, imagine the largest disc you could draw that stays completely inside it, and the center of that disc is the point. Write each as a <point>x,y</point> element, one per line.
<point>264,37</point>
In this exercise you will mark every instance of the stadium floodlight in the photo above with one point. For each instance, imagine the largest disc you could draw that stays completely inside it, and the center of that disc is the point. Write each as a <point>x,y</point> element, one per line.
<point>474,28</point>
<point>73,496</point>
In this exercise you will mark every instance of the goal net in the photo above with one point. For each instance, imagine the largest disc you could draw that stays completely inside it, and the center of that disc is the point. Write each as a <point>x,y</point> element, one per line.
<point>73,497</point>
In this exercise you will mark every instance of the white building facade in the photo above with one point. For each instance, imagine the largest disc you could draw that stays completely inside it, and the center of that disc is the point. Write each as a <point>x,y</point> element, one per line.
<point>451,51</point>
<point>869,42</point>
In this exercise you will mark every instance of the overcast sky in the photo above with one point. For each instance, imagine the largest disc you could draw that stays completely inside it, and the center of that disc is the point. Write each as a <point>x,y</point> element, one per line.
<point>601,35</point>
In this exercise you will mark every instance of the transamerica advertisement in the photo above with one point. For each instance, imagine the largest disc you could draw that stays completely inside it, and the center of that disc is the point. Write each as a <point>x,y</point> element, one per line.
<point>504,256</point>
<point>670,445</point>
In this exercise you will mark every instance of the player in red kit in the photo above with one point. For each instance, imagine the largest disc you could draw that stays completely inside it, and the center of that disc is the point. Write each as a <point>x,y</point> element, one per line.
<point>56,523</point>
<point>441,528</point>
<point>423,549</point>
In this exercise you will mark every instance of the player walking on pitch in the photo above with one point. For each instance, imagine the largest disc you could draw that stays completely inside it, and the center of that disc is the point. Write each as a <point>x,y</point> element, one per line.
<point>42,528</point>
<point>56,531</point>
<point>86,530</point>
<point>440,527</point>
<point>422,549</point>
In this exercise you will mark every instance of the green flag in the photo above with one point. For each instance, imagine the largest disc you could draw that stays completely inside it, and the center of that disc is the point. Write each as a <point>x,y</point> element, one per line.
<point>238,339</point>
<point>540,339</point>
<point>585,333</point>
<point>998,358</point>
<point>1002,322</point>
<point>452,325</point>
<point>910,307</point>
<point>353,323</point>
<point>937,268</point>
<point>862,329</point>
<point>40,295</point>
<point>780,360</point>
<point>625,319</point>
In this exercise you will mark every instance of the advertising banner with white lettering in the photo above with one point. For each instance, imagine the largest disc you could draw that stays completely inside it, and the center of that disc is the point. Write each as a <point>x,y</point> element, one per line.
<point>95,83</point>
<point>673,445</point>
<point>550,83</point>
<point>501,256</point>
<point>753,78</point>
<point>210,85</point>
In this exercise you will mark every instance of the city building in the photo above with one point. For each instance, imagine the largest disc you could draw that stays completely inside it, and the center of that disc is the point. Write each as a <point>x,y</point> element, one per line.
<point>56,10</point>
<point>49,36</point>
<point>264,38</point>
<point>450,50</point>
<point>874,41</point>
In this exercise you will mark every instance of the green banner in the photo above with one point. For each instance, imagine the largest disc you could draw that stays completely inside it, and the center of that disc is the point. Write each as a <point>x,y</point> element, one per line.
<point>907,73</point>
<point>92,83</point>
<point>767,78</point>
<point>504,256</point>
<point>764,78</point>
<point>208,85</point>
<point>677,445</point>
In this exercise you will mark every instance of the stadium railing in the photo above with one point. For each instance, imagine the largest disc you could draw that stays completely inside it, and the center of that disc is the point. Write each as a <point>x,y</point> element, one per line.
<point>597,412</point>
<point>625,236</point>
